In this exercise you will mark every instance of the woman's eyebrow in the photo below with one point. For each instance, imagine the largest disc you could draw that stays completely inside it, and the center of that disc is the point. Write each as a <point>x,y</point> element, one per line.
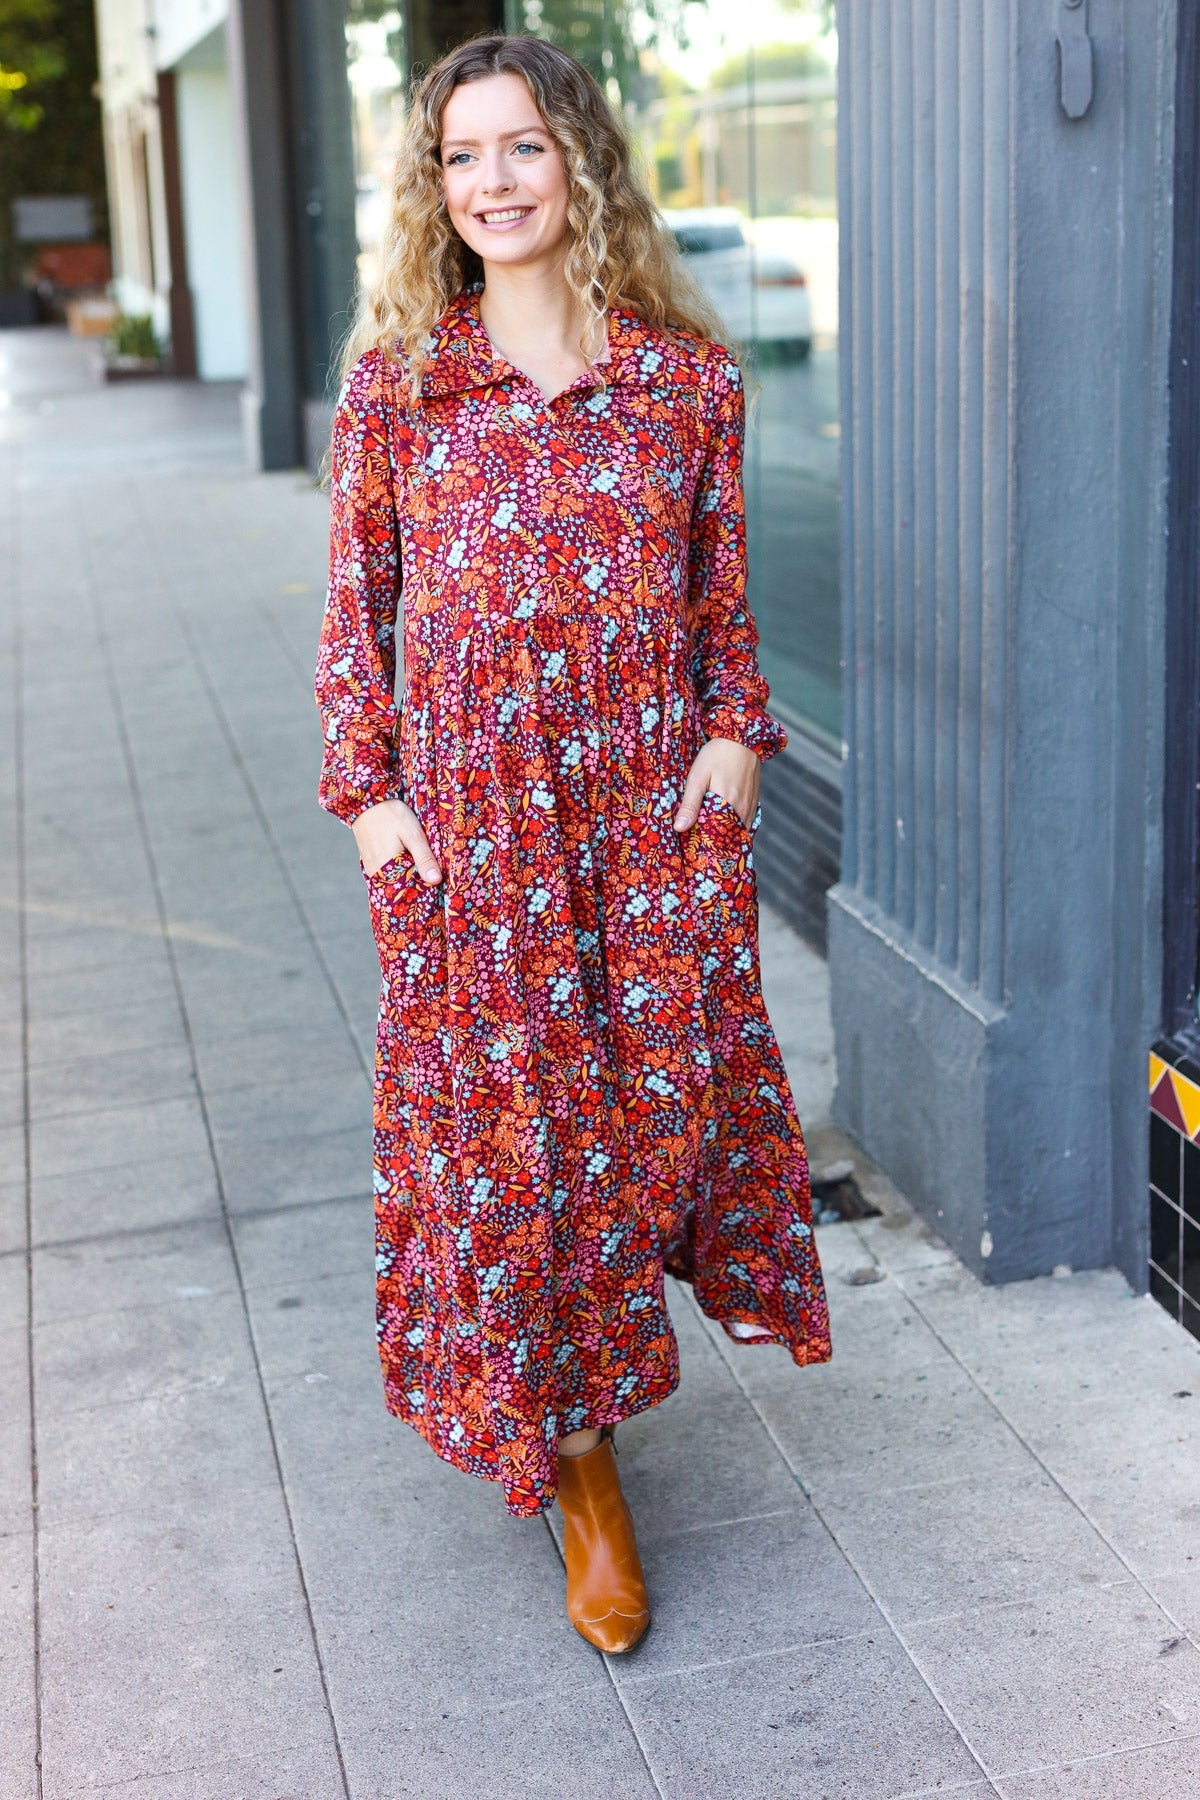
<point>473,143</point>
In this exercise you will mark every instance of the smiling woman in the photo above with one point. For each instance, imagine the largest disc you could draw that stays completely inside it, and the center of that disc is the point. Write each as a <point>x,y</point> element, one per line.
<point>507,195</point>
<point>537,483</point>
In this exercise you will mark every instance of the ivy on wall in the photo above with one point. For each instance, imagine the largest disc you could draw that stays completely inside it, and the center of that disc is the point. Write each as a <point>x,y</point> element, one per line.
<point>51,133</point>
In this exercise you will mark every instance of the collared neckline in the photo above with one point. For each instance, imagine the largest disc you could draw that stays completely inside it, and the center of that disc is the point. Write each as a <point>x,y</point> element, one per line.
<point>460,354</point>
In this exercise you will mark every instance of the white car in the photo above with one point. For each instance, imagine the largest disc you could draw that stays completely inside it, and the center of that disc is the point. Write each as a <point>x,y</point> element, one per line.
<point>761,293</point>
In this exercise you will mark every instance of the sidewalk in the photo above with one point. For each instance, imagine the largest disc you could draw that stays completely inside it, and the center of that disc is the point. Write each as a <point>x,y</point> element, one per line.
<point>961,1558</point>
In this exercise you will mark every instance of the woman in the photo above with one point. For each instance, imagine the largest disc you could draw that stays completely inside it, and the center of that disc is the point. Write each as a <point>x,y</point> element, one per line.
<point>539,441</point>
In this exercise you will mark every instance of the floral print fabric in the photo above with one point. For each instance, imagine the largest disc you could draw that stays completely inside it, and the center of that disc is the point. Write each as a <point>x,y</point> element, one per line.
<point>577,1086</point>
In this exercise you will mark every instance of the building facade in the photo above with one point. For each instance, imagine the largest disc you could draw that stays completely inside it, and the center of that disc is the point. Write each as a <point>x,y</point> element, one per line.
<point>1009,188</point>
<point>955,241</point>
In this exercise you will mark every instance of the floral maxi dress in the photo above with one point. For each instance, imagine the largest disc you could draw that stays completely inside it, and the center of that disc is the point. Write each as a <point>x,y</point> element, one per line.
<point>577,1086</point>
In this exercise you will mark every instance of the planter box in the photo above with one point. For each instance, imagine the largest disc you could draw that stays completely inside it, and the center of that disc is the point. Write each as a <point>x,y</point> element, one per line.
<point>128,368</point>
<point>90,316</point>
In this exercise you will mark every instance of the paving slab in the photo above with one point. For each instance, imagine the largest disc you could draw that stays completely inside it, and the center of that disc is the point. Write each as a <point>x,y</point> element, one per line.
<point>13,1229</point>
<point>128,1024</point>
<point>12,1098</point>
<point>970,1543</point>
<point>853,1717</point>
<point>252,1058</point>
<point>1151,1772</point>
<point>570,1742</point>
<point>743,1588</point>
<point>131,1702</point>
<point>139,1130</point>
<point>195,1448</point>
<point>702,1460</point>
<point>1084,1672</point>
<point>105,1360</point>
<point>18,1698</point>
<point>86,1084</point>
<point>307,1771</point>
<point>295,1173</point>
<point>72,938</point>
<point>16,1487</point>
<point>12,1043</point>
<point>95,991</point>
<point>850,1436</point>
<point>163,1191</point>
<point>271,1113</point>
<point>132,1272</point>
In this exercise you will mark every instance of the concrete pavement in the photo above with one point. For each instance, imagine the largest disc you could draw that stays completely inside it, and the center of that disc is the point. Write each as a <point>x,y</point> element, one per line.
<point>961,1558</point>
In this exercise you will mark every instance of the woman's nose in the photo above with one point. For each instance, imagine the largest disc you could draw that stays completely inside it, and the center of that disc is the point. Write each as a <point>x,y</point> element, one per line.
<point>496,179</point>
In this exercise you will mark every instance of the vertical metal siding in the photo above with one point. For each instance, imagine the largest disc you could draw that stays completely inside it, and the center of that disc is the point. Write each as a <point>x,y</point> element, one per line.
<point>925,177</point>
<point>848,499</point>
<point>999,267</point>
<point>923,833</point>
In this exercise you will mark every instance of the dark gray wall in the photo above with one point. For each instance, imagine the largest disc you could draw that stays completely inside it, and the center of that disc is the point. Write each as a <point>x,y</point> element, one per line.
<point>994,940</point>
<point>287,69</point>
<point>258,76</point>
<point>323,205</point>
<point>799,841</point>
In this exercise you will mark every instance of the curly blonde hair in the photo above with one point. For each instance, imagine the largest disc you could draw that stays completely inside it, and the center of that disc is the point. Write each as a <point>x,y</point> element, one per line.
<point>620,252</point>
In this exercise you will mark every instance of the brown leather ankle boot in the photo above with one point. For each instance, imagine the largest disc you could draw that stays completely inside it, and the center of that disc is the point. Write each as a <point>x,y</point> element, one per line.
<point>606,1591</point>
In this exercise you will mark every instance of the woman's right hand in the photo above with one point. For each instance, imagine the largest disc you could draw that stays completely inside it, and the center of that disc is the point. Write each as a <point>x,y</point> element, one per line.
<point>393,829</point>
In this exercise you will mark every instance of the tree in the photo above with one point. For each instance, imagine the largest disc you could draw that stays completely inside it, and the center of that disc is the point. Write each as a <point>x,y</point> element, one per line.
<point>772,62</point>
<point>30,60</point>
<point>51,139</point>
<point>602,34</point>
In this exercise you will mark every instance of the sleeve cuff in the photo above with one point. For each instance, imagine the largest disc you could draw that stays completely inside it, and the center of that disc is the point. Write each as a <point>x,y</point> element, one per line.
<point>349,800</point>
<point>757,730</point>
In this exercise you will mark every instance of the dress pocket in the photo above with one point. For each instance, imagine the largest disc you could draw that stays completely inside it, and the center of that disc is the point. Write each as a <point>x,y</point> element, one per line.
<point>408,924</point>
<point>723,885</point>
<point>722,808</point>
<point>389,870</point>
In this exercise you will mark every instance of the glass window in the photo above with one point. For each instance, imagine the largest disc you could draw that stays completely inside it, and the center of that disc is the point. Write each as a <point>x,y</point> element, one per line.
<point>377,60</point>
<point>733,106</point>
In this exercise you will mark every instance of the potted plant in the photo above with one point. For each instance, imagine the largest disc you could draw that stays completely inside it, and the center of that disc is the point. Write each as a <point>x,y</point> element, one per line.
<point>132,348</point>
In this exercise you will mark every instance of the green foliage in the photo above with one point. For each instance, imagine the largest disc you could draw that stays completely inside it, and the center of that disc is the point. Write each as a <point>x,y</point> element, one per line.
<point>51,139</point>
<point>771,62</point>
<point>605,35</point>
<point>601,34</point>
<point>133,335</point>
<point>31,60</point>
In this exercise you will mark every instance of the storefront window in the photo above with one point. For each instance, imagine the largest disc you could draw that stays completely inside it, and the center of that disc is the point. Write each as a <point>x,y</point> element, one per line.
<point>377,60</point>
<point>733,107</point>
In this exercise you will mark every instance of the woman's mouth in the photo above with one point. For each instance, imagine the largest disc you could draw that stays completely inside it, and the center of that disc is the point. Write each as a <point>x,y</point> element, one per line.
<point>503,218</point>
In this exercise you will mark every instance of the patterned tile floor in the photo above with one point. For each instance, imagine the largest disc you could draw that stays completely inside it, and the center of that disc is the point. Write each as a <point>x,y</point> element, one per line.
<point>961,1558</point>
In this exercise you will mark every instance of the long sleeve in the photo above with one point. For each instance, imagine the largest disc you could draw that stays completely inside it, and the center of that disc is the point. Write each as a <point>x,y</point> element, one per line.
<point>356,659</point>
<point>729,685</point>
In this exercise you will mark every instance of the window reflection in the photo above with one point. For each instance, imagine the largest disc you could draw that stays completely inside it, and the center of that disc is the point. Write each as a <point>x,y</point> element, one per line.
<point>735,113</point>
<point>376,63</point>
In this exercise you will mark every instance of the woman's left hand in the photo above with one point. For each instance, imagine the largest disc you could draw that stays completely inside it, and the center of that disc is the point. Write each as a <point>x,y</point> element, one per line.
<point>732,769</point>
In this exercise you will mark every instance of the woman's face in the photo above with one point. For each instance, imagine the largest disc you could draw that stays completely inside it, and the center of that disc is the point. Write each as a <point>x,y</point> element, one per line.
<point>499,160</point>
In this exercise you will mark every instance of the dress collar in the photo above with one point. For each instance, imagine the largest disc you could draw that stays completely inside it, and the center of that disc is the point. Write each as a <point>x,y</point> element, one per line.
<point>460,354</point>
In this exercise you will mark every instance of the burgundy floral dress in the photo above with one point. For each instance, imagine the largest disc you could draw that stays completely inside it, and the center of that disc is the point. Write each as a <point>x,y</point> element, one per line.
<point>577,1086</point>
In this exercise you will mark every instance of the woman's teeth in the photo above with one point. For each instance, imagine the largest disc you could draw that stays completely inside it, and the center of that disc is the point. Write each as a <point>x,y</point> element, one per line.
<point>502,218</point>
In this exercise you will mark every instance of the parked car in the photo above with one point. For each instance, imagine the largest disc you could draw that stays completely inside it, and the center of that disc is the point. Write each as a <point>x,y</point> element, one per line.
<point>760,292</point>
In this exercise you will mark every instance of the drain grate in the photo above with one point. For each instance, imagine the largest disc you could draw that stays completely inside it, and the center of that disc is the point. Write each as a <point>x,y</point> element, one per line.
<point>836,1195</point>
